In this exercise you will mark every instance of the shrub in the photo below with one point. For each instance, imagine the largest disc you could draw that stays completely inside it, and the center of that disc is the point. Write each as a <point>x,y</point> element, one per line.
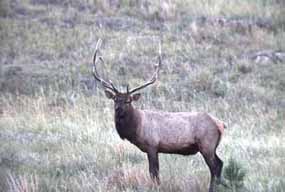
<point>235,174</point>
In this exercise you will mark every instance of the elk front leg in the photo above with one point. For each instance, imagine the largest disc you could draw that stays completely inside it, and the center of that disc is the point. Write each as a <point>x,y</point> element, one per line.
<point>153,163</point>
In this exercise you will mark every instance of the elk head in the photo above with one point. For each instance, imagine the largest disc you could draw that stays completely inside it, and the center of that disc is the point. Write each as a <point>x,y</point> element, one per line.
<point>122,100</point>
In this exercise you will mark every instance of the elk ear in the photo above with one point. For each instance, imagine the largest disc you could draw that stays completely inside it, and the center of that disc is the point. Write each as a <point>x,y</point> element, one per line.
<point>109,94</point>
<point>136,96</point>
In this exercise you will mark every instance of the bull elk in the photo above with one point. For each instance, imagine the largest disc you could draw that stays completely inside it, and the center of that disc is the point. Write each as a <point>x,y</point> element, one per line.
<point>153,132</point>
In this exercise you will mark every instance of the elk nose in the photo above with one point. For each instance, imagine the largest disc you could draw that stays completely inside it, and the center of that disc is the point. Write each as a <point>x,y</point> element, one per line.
<point>117,107</point>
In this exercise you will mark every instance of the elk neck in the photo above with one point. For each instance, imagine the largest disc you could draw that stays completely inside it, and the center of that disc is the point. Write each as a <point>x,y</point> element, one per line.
<point>127,121</point>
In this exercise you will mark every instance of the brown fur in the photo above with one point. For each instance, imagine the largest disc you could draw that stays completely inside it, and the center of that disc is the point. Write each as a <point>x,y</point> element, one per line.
<point>221,125</point>
<point>154,132</point>
<point>184,133</point>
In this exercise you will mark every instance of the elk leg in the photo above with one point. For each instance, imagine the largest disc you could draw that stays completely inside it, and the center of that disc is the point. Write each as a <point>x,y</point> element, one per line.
<point>219,167</point>
<point>211,162</point>
<point>152,156</point>
<point>220,163</point>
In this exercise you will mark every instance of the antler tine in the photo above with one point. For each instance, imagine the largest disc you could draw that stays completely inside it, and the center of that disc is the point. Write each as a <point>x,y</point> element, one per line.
<point>110,82</point>
<point>154,76</point>
<point>108,85</point>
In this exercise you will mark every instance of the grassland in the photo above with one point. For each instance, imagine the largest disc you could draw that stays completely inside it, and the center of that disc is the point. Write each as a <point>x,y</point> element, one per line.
<point>56,126</point>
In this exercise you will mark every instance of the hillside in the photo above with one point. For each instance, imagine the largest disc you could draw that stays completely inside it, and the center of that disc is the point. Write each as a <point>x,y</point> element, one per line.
<point>56,126</point>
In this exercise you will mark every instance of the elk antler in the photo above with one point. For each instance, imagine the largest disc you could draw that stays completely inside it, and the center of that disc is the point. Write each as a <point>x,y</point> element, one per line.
<point>154,76</point>
<point>108,85</point>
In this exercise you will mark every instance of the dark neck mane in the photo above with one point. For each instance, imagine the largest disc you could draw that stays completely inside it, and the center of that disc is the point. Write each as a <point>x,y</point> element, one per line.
<point>127,122</point>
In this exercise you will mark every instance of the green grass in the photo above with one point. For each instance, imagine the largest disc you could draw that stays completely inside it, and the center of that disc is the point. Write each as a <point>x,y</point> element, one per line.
<point>49,142</point>
<point>78,149</point>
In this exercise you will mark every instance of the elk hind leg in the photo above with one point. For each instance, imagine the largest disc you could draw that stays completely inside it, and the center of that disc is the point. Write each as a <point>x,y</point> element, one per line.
<point>219,167</point>
<point>215,165</point>
<point>219,170</point>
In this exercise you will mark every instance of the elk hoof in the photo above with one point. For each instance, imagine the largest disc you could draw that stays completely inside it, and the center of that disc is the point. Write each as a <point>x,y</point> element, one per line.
<point>222,182</point>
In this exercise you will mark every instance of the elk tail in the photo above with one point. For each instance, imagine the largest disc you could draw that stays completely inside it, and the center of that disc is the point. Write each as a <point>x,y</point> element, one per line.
<point>220,124</point>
